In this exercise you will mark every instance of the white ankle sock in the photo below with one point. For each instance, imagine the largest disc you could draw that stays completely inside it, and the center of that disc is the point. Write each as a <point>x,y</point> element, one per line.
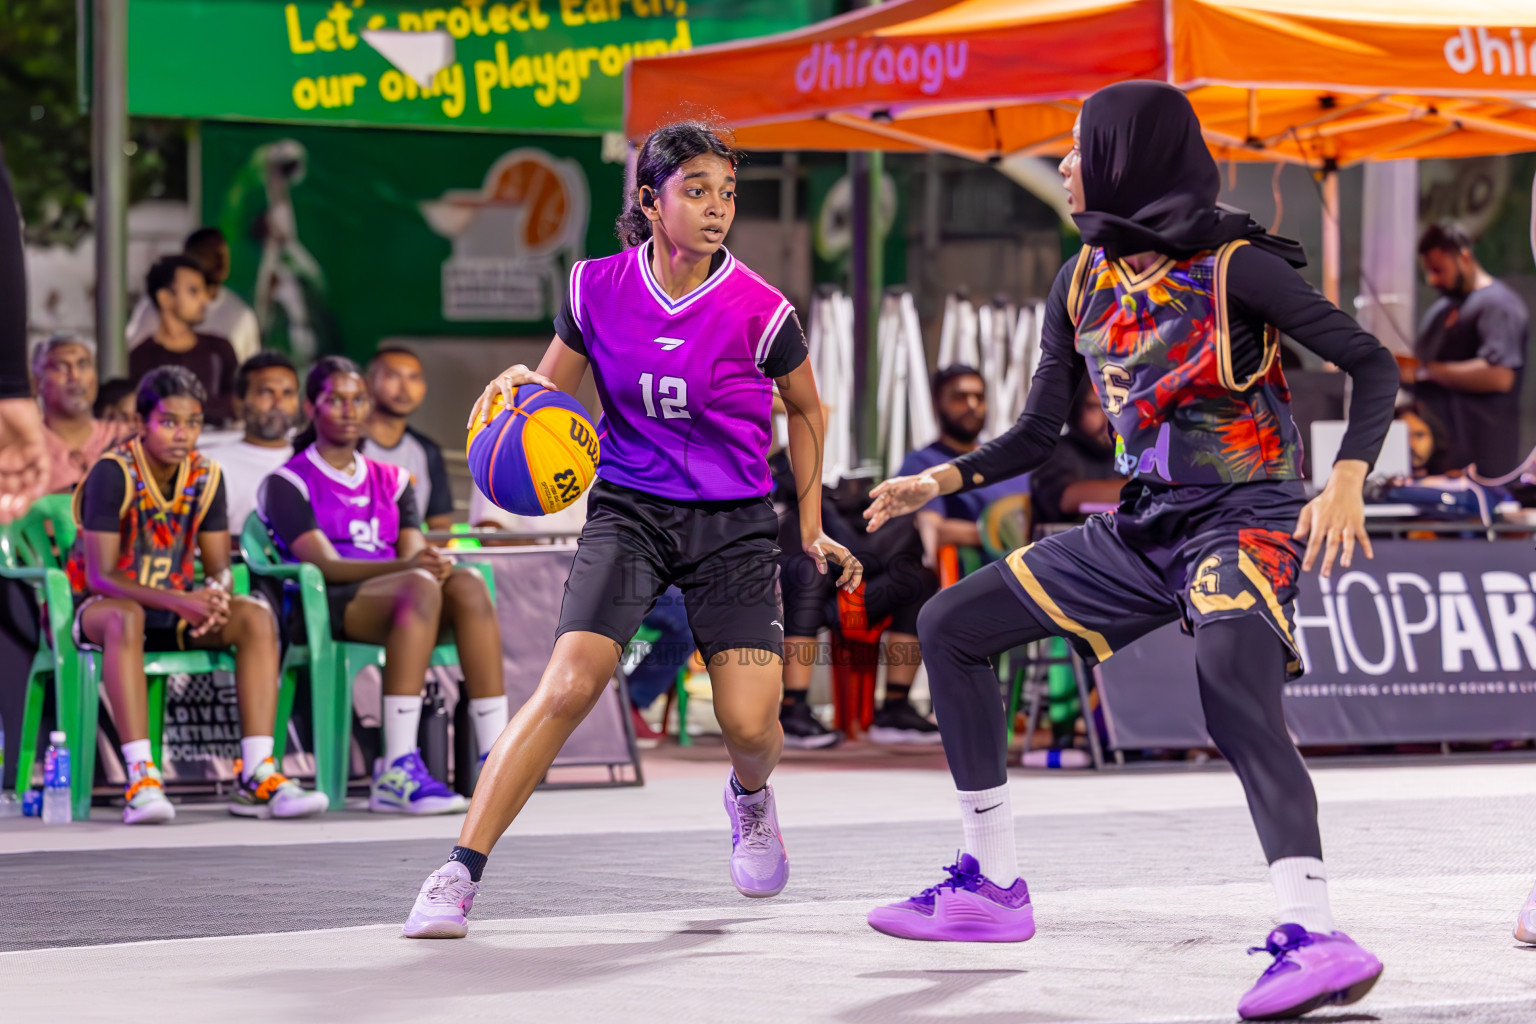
<point>1301,887</point>
<point>402,717</point>
<point>986,815</point>
<point>490,717</point>
<point>135,751</point>
<point>253,751</point>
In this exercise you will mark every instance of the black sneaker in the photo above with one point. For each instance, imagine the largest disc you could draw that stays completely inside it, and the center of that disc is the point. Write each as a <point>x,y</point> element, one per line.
<point>903,725</point>
<point>802,730</point>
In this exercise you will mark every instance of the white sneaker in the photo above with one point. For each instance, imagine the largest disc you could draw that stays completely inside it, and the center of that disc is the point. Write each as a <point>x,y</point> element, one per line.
<point>268,793</point>
<point>147,802</point>
<point>442,907</point>
<point>1525,923</point>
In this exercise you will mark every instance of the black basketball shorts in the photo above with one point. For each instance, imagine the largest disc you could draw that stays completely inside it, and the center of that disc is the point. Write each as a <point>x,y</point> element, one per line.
<point>723,556</point>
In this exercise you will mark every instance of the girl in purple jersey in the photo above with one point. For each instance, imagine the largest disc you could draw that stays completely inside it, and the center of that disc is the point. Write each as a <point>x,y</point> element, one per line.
<point>357,520</point>
<point>686,346</point>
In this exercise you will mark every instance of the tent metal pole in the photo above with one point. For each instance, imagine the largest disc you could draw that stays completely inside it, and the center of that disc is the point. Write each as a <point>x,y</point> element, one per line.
<point>1330,182</point>
<point>863,320</point>
<point>109,174</point>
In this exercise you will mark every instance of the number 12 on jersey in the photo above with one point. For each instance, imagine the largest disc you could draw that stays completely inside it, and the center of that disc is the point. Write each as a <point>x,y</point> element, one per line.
<point>674,397</point>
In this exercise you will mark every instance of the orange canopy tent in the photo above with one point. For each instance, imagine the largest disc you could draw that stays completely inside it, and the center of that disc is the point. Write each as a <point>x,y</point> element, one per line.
<point>1326,83</point>
<point>1301,80</point>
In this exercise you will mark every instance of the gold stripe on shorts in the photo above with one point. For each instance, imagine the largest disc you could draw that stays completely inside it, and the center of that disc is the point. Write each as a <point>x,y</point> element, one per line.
<point>1261,584</point>
<point>1032,587</point>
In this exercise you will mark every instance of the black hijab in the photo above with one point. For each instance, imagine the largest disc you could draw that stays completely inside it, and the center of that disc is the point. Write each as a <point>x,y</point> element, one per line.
<point>1150,183</point>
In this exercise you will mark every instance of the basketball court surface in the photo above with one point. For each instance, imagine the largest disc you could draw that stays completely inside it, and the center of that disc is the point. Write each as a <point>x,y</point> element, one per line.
<point>614,905</point>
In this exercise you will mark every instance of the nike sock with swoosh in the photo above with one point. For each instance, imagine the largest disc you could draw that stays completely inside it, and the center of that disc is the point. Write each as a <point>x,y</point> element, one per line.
<point>986,816</point>
<point>1301,886</point>
<point>402,717</point>
<point>490,717</point>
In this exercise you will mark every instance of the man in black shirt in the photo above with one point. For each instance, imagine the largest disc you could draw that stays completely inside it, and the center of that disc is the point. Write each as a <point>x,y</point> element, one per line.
<point>1470,354</point>
<point>1080,470</point>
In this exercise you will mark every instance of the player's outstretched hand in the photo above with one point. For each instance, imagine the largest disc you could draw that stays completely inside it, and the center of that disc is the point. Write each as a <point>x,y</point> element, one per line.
<point>23,463</point>
<point>506,385</point>
<point>899,496</point>
<point>1334,521</point>
<point>822,548</point>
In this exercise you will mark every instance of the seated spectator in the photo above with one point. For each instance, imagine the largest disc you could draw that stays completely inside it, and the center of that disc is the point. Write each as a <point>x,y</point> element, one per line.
<point>180,293</point>
<point>267,400</point>
<point>1428,447</point>
<point>657,671</point>
<point>895,583</point>
<point>142,512</point>
<point>228,314</point>
<point>960,402</point>
<point>1081,468</point>
<point>117,401</point>
<point>358,521</point>
<point>398,386</point>
<point>64,376</point>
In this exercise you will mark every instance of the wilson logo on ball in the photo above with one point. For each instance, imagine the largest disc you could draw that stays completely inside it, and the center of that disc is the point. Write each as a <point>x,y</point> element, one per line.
<point>536,457</point>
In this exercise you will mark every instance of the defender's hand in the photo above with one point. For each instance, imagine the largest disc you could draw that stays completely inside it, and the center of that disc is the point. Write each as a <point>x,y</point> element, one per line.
<point>1334,521</point>
<point>899,496</point>
<point>506,385</point>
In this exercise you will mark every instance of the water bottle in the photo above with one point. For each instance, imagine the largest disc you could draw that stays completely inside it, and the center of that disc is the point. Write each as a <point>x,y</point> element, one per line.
<point>56,810</point>
<point>432,734</point>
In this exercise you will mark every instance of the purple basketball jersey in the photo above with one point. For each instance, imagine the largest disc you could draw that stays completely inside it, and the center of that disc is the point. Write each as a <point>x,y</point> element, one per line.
<point>687,409</point>
<point>358,511</point>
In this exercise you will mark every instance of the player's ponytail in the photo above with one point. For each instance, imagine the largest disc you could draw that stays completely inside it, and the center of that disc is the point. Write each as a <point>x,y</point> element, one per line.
<point>663,152</point>
<point>314,386</point>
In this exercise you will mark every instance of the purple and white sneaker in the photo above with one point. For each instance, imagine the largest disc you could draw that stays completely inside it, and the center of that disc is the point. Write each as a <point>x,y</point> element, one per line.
<point>759,862</point>
<point>406,787</point>
<point>965,907</point>
<point>1311,969</point>
<point>1525,921</point>
<point>442,906</point>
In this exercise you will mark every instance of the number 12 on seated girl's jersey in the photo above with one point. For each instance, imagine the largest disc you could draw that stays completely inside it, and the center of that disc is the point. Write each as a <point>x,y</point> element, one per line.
<point>686,384</point>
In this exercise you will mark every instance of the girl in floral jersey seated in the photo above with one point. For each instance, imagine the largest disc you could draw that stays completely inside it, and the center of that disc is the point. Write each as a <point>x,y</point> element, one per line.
<point>357,521</point>
<point>142,512</point>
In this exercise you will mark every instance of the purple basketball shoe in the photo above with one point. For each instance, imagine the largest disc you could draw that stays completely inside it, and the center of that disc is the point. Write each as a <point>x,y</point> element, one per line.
<point>965,907</point>
<point>759,862</point>
<point>1311,969</point>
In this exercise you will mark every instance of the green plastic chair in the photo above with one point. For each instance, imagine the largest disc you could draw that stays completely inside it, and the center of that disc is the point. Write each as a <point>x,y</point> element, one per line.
<point>41,541</point>
<point>330,664</point>
<point>60,663</point>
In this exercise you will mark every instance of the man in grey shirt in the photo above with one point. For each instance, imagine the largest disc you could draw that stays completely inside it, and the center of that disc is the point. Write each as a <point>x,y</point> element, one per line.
<point>1470,354</point>
<point>399,386</point>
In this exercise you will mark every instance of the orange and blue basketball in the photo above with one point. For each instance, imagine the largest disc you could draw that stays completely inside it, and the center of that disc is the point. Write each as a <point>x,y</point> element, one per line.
<point>537,457</point>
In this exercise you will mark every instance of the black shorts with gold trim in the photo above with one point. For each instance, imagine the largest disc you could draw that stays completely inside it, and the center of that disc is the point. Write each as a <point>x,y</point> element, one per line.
<point>1193,554</point>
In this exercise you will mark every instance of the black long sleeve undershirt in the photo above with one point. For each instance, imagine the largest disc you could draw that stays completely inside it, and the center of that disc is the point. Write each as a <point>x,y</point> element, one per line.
<point>1261,289</point>
<point>13,295</point>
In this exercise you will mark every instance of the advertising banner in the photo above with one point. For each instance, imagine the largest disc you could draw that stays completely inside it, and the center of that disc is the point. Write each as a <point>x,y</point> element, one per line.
<point>527,65</point>
<point>1431,641</point>
<point>341,237</point>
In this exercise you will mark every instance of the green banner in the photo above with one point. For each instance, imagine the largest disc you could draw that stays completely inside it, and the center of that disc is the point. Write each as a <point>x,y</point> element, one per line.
<point>339,237</point>
<point>528,65</point>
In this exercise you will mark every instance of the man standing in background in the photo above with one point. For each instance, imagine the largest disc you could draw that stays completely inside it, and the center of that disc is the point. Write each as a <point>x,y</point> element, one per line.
<point>1470,355</point>
<point>64,375</point>
<point>267,399</point>
<point>227,315</point>
<point>180,291</point>
<point>398,387</point>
